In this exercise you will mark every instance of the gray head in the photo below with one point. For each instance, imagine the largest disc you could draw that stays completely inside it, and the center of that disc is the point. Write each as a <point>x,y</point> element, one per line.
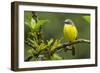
<point>68,21</point>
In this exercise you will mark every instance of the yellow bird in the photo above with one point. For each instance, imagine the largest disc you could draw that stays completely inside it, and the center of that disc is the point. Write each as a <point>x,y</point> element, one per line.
<point>70,32</point>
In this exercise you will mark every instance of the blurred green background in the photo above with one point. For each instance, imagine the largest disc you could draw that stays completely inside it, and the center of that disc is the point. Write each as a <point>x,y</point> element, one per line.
<point>54,29</point>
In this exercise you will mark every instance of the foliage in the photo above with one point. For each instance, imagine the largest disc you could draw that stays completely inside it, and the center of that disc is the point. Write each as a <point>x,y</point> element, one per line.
<point>42,50</point>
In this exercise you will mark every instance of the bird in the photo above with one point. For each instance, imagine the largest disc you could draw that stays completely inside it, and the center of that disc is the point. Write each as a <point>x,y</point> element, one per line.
<point>70,33</point>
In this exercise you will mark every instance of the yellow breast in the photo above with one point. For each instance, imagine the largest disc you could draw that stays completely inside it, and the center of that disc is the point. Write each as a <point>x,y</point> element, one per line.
<point>70,32</point>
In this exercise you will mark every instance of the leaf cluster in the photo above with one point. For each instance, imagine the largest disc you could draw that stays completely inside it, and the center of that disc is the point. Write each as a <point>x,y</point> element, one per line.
<point>38,48</point>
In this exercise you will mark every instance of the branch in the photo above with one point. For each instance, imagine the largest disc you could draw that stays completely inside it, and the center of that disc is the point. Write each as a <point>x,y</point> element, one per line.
<point>63,45</point>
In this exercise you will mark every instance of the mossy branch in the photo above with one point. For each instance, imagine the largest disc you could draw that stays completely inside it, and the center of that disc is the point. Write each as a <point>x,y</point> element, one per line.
<point>72,43</point>
<point>63,45</point>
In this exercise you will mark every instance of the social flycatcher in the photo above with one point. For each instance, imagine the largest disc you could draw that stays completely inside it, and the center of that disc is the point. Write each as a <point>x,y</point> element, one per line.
<point>70,32</point>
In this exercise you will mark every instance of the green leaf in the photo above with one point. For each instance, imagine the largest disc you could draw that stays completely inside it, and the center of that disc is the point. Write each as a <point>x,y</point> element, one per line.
<point>50,42</point>
<point>33,34</point>
<point>32,42</point>
<point>39,23</point>
<point>27,17</point>
<point>55,56</point>
<point>31,51</point>
<point>33,22</point>
<point>33,58</point>
<point>56,43</point>
<point>27,20</point>
<point>87,18</point>
<point>41,47</point>
<point>27,26</point>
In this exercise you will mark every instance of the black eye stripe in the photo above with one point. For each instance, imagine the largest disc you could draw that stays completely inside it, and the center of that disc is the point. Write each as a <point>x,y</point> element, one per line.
<point>68,22</point>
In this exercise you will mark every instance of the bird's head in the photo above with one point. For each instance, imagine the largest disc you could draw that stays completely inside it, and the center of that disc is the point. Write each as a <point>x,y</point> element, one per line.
<point>68,22</point>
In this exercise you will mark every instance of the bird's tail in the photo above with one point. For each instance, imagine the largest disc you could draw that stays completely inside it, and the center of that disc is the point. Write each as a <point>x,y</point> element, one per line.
<point>73,50</point>
<point>72,47</point>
